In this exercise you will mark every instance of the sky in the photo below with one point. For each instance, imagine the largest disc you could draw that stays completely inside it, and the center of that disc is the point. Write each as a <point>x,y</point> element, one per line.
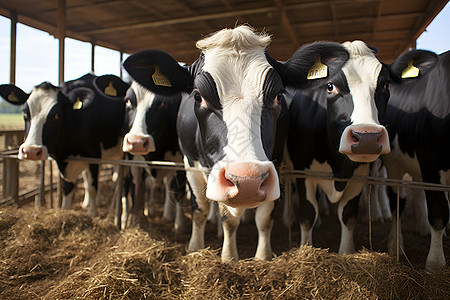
<point>37,53</point>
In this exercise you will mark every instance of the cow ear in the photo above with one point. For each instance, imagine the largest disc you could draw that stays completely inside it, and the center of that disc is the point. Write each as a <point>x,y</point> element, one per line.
<point>111,86</point>
<point>159,72</point>
<point>412,65</point>
<point>80,97</point>
<point>314,64</point>
<point>13,94</point>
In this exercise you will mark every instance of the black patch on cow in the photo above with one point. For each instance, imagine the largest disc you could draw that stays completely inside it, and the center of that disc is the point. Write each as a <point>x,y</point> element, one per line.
<point>350,211</point>
<point>206,86</point>
<point>273,103</point>
<point>438,210</point>
<point>161,119</point>
<point>393,200</point>
<point>67,187</point>
<point>46,86</point>
<point>382,93</point>
<point>306,212</point>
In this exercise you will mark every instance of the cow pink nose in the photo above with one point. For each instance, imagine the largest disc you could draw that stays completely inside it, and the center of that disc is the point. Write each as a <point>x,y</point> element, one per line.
<point>32,153</point>
<point>364,143</point>
<point>138,144</point>
<point>246,184</point>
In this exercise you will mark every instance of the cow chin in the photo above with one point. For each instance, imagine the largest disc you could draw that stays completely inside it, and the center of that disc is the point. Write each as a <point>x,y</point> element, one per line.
<point>243,184</point>
<point>363,158</point>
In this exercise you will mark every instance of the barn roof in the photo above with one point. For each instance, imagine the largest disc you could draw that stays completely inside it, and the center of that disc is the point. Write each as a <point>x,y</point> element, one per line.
<point>175,25</point>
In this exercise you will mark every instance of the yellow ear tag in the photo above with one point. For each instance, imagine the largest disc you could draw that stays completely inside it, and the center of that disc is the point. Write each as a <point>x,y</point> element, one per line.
<point>318,70</point>
<point>12,97</point>
<point>410,71</point>
<point>110,90</point>
<point>160,79</point>
<point>78,104</point>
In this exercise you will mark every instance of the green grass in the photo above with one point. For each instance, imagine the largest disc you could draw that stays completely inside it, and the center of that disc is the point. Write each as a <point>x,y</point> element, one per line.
<point>11,121</point>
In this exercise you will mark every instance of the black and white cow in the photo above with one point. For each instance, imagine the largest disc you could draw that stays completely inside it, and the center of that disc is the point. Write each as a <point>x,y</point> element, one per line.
<point>338,129</point>
<point>232,98</point>
<point>418,121</point>
<point>152,136</point>
<point>82,118</point>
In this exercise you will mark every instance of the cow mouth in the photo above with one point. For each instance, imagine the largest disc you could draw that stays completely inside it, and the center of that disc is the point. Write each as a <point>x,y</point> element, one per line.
<point>236,204</point>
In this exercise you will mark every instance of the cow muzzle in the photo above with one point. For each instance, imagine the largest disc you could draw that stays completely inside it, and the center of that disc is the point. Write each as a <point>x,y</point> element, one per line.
<point>138,145</point>
<point>32,152</point>
<point>243,184</point>
<point>364,143</point>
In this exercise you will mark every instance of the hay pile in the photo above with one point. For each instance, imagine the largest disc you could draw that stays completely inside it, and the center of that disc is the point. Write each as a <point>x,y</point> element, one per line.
<point>66,255</point>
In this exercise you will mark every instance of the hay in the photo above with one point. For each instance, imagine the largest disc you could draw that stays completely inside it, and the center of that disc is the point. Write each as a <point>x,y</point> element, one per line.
<point>66,255</point>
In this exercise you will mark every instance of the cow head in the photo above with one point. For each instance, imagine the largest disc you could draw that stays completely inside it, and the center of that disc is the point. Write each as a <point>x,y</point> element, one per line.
<point>150,117</point>
<point>47,109</point>
<point>235,89</point>
<point>357,99</point>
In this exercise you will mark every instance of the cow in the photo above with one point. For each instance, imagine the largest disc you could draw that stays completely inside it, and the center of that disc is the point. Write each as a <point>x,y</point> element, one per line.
<point>232,99</point>
<point>338,129</point>
<point>418,122</point>
<point>152,135</point>
<point>82,118</point>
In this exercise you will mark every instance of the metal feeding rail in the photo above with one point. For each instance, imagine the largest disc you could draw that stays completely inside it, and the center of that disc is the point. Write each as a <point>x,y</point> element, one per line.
<point>284,173</point>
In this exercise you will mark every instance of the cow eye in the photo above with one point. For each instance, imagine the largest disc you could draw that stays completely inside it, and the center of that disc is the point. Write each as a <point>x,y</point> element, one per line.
<point>332,89</point>
<point>386,85</point>
<point>128,104</point>
<point>56,117</point>
<point>197,97</point>
<point>277,100</point>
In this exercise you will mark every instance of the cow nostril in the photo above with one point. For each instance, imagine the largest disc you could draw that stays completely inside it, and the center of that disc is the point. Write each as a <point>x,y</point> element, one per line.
<point>354,138</point>
<point>38,152</point>
<point>146,144</point>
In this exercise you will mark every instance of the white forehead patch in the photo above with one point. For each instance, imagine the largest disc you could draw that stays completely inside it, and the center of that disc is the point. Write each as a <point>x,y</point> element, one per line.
<point>40,102</point>
<point>144,99</point>
<point>237,62</point>
<point>362,71</point>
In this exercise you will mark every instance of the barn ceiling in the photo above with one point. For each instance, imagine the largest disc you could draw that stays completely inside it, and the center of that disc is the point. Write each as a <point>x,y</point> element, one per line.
<point>175,25</point>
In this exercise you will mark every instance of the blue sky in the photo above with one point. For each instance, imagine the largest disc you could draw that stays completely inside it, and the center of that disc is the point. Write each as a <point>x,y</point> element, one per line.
<point>37,53</point>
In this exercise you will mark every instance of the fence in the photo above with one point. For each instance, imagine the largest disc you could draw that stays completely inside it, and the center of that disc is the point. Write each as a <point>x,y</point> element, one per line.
<point>11,180</point>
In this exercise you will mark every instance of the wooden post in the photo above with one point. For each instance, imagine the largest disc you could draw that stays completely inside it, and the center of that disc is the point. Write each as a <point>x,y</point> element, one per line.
<point>40,199</point>
<point>118,199</point>
<point>12,63</point>
<point>61,37</point>
<point>93,57</point>
<point>120,65</point>
<point>60,192</point>
<point>50,198</point>
<point>10,172</point>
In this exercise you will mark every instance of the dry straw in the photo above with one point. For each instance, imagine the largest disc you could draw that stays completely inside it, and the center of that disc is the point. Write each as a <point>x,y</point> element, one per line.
<point>67,255</point>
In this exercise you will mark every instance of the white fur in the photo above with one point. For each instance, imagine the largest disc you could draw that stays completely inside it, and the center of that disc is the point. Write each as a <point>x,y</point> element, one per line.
<point>236,60</point>
<point>362,71</point>
<point>144,99</point>
<point>40,103</point>
<point>351,191</point>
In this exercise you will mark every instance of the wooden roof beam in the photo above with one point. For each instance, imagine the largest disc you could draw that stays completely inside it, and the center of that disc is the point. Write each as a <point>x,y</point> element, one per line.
<point>180,20</point>
<point>286,23</point>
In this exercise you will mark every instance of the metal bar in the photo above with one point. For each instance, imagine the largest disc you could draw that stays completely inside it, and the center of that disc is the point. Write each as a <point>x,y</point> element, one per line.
<point>398,225</point>
<point>283,173</point>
